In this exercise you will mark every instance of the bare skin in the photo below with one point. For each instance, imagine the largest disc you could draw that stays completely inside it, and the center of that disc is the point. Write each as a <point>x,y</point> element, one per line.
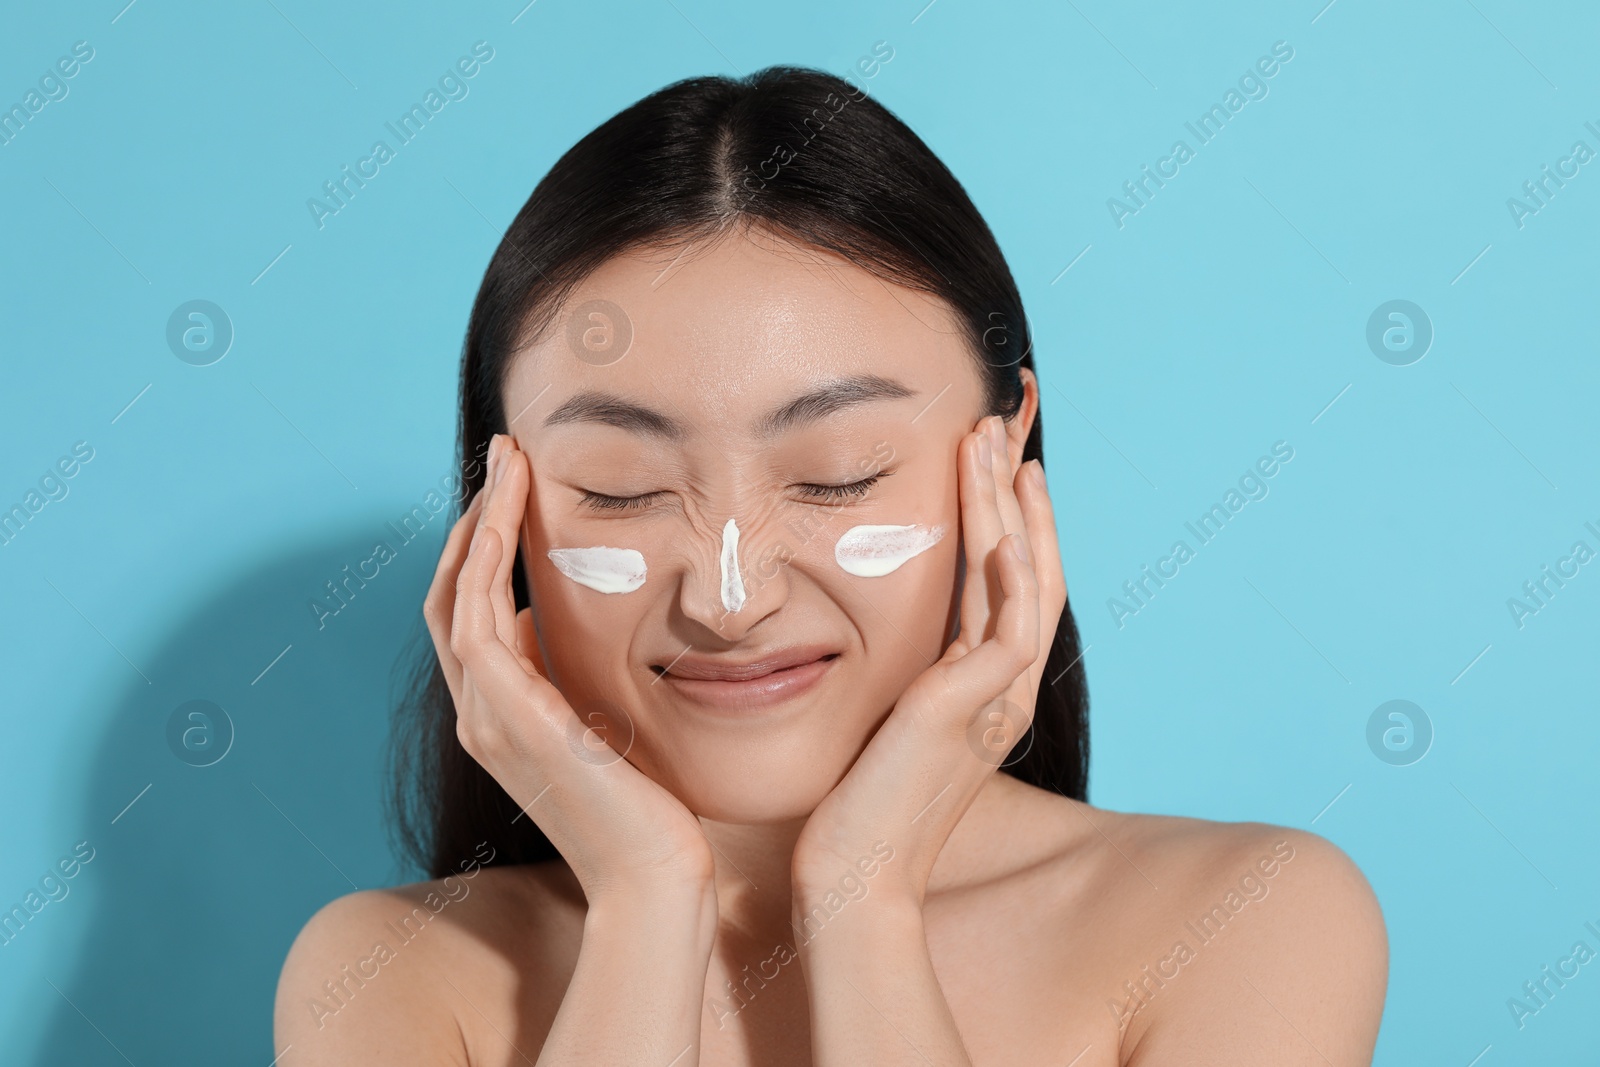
<point>841,877</point>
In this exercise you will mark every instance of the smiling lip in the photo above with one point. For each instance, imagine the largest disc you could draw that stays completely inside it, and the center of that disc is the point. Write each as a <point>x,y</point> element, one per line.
<point>770,680</point>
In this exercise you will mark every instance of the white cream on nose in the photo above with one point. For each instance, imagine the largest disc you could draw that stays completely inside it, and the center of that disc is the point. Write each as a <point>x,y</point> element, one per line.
<point>873,551</point>
<point>732,583</point>
<point>606,570</point>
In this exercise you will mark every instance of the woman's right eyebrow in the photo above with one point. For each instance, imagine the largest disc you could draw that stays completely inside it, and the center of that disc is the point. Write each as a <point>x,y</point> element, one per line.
<point>608,409</point>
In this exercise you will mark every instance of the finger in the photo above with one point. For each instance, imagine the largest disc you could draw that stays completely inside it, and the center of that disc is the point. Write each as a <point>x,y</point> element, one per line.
<point>438,606</point>
<point>1045,563</point>
<point>990,669</point>
<point>493,667</point>
<point>1005,478</point>
<point>1009,480</point>
<point>981,530</point>
<point>473,621</point>
<point>504,513</point>
<point>1040,516</point>
<point>481,610</point>
<point>475,636</point>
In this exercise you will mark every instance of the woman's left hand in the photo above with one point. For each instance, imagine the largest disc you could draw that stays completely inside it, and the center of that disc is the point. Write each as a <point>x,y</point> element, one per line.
<point>956,721</point>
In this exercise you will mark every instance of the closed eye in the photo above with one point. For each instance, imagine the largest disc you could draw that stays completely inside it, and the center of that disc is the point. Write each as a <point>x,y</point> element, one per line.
<point>601,502</point>
<point>827,494</point>
<point>836,493</point>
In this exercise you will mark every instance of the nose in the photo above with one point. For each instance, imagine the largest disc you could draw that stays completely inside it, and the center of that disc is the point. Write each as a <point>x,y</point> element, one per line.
<point>738,577</point>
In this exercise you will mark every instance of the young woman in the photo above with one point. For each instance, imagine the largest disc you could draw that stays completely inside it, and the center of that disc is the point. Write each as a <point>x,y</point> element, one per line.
<point>755,729</point>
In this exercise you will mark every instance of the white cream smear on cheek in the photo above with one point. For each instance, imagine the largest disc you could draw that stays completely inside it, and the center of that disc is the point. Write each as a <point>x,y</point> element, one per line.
<point>606,570</point>
<point>873,551</point>
<point>732,583</point>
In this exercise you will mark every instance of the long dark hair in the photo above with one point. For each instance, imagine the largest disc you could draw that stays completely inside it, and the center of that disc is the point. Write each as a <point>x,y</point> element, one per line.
<point>805,154</point>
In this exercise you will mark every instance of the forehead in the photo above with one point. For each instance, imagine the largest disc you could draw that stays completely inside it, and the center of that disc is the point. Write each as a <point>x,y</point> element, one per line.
<point>721,329</point>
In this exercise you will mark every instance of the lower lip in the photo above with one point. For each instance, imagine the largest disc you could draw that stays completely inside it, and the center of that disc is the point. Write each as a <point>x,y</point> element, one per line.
<point>762,692</point>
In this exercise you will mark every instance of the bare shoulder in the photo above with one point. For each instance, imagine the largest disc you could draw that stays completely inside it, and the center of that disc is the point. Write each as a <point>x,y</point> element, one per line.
<point>410,974</point>
<point>1182,940</point>
<point>1272,947</point>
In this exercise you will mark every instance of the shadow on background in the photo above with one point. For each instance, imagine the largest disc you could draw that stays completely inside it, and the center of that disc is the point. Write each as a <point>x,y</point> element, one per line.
<point>198,888</point>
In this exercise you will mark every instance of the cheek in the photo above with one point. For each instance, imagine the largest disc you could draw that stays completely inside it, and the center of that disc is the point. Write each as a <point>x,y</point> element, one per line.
<point>874,551</point>
<point>895,580</point>
<point>589,598</point>
<point>571,562</point>
<point>903,617</point>
<point>601,567</point>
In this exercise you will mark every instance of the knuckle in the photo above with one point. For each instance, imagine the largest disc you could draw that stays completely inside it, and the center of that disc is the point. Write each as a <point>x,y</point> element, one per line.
<point>1023,654</point>
<point>478,733</point>
<point>467,735</point>
<point>489,738</point>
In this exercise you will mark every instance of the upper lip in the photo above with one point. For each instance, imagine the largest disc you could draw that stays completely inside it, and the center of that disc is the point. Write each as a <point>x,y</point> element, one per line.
<point>721,669</point>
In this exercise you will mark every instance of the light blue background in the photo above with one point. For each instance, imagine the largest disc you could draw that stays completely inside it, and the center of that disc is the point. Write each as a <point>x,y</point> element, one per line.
<point>1226,315</point>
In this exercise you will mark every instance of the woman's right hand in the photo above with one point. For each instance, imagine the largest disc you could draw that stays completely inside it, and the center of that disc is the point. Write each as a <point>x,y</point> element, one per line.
<point>639,854</point>
<point>621,833</point>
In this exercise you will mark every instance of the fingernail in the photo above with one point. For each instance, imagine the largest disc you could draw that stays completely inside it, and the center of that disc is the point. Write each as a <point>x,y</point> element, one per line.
<point>494,449</point>
<point>1016,547</point>
<point>985,452</point>
<point>1037,473</point>
<point>477,535</point>
<point>500,466</point>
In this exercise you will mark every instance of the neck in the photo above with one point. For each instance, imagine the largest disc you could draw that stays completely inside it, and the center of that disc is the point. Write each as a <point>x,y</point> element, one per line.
<point>753,861</point>
<point>752,871</point>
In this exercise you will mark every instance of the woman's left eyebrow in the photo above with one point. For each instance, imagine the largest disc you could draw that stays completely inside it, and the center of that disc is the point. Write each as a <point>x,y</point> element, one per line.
<point>828,398</point>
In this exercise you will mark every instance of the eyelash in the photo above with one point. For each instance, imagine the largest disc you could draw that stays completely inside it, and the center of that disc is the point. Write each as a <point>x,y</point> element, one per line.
<point>616,503</point>
<point>825,493</point>
<point>848,491</point>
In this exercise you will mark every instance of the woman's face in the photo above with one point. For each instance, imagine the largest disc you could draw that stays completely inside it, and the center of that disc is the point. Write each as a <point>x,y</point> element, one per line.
<point>770,401</point>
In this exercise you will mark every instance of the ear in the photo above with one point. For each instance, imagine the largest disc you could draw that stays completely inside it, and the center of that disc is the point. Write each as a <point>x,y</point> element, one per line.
<point>1021,424</point>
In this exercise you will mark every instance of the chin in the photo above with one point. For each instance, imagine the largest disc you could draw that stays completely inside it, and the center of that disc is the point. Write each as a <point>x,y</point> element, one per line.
<point>759,788</point>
